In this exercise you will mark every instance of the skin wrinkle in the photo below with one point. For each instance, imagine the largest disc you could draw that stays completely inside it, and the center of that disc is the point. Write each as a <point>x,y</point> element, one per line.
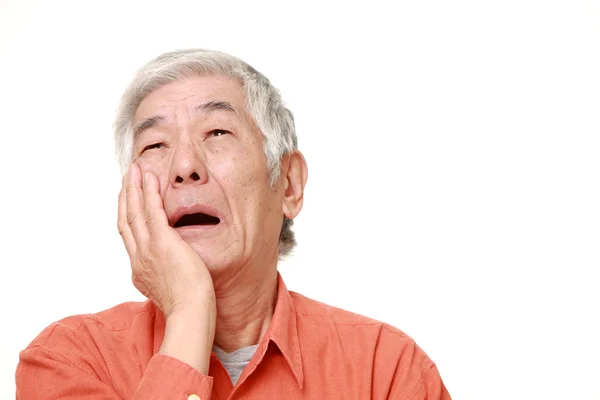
<point>187,273</point>
<point>242,257</point>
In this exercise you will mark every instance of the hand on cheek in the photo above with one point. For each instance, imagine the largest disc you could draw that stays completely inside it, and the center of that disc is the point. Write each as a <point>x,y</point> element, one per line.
<point>164,267</point>
<point>168,271</point>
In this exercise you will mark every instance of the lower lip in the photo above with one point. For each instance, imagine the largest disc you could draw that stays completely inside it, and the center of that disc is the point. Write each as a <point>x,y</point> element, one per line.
<point>196,228</point>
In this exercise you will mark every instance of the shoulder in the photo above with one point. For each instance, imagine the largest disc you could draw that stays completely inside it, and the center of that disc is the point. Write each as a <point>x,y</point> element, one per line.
<point>364,348</point>
<point>307,307</point>
<point>353,327</point>
<point>105,350</point>
<point>119,320</point>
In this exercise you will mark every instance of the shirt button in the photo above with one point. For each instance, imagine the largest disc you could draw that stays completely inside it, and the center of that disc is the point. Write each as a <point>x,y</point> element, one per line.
<point>193,397</point>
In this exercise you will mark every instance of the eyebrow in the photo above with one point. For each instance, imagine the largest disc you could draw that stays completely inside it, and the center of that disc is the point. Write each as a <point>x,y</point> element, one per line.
<point>146,124</point>
<point>212,105</point>
<point>208,107</point>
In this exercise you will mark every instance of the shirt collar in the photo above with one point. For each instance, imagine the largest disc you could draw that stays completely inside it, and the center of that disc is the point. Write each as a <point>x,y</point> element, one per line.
<point>283,330</point>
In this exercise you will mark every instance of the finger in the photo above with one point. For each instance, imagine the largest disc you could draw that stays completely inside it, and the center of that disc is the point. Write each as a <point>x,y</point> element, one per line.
<point>156,217</point>
<point>135,207</point>
<point>122,225</point>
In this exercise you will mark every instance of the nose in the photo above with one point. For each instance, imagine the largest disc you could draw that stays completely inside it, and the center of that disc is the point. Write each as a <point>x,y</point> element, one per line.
<point>188,166</point>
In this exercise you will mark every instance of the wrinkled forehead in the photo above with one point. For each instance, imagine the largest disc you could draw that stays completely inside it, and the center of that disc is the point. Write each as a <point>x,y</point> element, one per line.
<point>191,93</point>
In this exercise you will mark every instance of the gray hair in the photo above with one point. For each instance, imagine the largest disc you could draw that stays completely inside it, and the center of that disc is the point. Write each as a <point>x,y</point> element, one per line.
<point>263,102</point>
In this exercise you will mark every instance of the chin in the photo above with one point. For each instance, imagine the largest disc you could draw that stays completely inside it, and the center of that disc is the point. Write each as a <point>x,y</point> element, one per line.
<point>216,257</point>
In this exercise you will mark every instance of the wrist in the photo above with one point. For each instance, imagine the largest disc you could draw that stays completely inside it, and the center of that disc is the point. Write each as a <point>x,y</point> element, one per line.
<point>189,335</point>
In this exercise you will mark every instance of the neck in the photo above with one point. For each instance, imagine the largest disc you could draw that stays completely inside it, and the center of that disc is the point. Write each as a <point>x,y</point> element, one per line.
<point>245,307</point>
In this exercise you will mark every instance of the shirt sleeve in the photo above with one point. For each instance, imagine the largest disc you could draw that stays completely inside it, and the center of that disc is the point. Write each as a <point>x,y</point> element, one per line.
<point>433,388</point>
<point>403,371</point>
<point>43,374</point>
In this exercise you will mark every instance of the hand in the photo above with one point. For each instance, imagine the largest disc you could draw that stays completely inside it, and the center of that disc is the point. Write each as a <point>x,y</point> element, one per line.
<point>164,267</point>
<point>168,271</point>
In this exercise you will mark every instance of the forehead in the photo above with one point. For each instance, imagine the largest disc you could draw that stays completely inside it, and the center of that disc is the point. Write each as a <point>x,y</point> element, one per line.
<point>188,93</point>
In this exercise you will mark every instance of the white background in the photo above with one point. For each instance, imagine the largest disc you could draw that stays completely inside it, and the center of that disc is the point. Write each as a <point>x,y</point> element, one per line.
<point>453,151</point>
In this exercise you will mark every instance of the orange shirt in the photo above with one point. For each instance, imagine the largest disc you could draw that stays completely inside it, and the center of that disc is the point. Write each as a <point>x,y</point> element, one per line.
<point>310,351</point>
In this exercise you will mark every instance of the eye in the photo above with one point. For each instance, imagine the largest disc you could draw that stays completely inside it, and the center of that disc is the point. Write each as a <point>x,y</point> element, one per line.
<point>153,146</point>
<point>218,132</point>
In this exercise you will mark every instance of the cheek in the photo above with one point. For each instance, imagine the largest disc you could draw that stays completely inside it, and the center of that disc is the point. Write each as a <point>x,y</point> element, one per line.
<point>244,172</point>
<point>244,181</point>
<point>158,171</point>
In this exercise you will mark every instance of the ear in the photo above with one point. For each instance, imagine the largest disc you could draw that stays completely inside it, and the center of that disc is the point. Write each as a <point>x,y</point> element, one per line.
<point>296,174</point>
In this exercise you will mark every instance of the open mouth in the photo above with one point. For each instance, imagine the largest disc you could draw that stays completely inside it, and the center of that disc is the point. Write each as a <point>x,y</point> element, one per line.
<point>196,219</point>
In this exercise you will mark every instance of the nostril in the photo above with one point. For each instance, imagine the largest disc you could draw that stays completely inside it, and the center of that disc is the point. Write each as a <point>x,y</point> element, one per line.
<point>193,176</point>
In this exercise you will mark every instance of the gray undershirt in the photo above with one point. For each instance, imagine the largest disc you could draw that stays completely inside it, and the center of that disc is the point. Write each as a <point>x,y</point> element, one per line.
<point>235,362</point>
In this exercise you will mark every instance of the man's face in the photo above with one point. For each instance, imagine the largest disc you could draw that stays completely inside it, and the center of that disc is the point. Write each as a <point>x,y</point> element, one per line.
<point>196,136</point>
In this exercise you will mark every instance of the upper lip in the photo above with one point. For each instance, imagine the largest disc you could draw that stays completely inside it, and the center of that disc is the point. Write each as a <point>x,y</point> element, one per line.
<point>179,212</point>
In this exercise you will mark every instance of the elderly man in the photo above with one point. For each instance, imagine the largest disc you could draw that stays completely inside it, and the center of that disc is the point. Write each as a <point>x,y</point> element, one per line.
<point>213,181</point>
